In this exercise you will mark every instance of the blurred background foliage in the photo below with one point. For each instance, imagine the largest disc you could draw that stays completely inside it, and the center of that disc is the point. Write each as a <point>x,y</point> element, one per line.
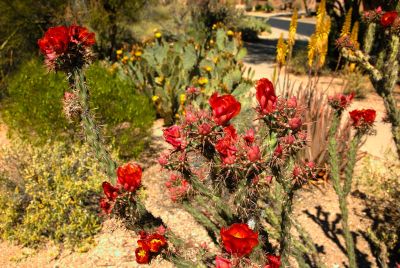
<point>33,108</point>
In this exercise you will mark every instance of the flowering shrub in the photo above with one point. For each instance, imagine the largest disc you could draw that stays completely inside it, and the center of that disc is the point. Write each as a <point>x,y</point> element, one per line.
<point>49,193</point>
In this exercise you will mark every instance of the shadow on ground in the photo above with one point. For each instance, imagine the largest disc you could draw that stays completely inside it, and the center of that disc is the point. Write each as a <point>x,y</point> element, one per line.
<point>331,226</point>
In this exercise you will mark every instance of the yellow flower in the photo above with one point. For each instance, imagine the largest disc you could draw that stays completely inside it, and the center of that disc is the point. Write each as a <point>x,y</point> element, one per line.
<point>155,98</point>
<point>177,116</point>
<point>125,58</point>
<point>202,81</point>
<point>347,23</point>
<point>281,51</point>
<point>230,33</point>
<point>215,59</point>
<point>211,42</point>
<point>182,98</point>
<point>138,53</point>
<point>208,68</point>
<point>119,51</point>
<point>159,80</point>
<point>292,28</point>
<point>157,35</point>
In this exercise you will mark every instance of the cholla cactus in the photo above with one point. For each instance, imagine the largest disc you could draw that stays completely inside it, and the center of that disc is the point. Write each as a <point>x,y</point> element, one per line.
<point>210,160</point>
<point>379,58</point>
<point>362,121</point>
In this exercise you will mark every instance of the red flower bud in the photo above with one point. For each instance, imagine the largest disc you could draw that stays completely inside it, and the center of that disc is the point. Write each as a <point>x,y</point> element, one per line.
<point>110,191</point>
<point>190,118</point>
<point>266,96</point>
<point>388,18</point>
<point>163,159</point>
<point>222,262</point>
<point>172,135</point>
<point>224,108</point>
<point>249,136</point>
<point>129,176</point>
<point>105,205</point>
<point>295,123</point>
<point>254,153</point>
<point>278,151</point>
<point>238,239</point>
<point>292,102</point>
<point>273,261</point>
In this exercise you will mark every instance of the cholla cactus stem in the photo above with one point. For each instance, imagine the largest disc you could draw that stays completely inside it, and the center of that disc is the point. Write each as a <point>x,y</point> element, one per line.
<point>342,192</point>
<point>369,38</point>
<point>90,129</point>
<point>285,239</point>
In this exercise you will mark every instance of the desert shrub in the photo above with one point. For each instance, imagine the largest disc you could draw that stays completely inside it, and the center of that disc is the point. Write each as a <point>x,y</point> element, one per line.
<point>378,180</point>
<point>34,104</point>
<point>127,114</point>
<point>48,192</point>
<point>356,82</point>
<point>250,27</point>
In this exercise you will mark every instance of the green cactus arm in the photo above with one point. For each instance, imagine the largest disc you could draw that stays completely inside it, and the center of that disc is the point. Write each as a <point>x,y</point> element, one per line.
<point>359,57</point>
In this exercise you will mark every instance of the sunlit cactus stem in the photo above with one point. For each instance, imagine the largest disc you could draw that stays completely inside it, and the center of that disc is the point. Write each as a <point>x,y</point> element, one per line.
<point>90,129</point>
<point>343,191</point>
<point>383,73</point>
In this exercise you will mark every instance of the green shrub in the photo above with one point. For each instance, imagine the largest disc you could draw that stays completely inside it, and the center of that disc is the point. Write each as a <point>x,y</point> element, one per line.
<point>356,82</point>
<point>127,114</point>
<point>49,192</point>
<point>33,108</point>
<point>250,27</point>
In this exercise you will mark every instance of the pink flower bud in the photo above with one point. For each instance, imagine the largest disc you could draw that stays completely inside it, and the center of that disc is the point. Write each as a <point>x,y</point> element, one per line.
<point>204,129</point>
<point>297,171</point>
<point>310,164</point>
<point>292,102</point>
<point>190,118</point>
<point>163,159</point>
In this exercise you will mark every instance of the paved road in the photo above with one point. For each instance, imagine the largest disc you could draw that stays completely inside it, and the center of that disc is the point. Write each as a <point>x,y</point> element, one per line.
<point>303,28</point>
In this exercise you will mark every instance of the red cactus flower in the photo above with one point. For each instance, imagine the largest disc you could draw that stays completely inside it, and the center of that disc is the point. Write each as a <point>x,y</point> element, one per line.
<point>273,261</point>
<point>172,135</point>
<point>388,18</point>
<point>142,255</point>
<point>110,191</point>
<point>222,262</point>
<point>266,96</point>
<point>81,36</point>
<point>254,153</point>
<point>295,123</point>
<point>129,176</point>
<point>249,136</point>
<point>224,108</point>
<point>230,132</point>
<point>153,242</point>
<point>227,149</point>
<point>363,117</point>
<point>340,101</point>
<point>238,239</point>
<point>54,42</point>
<point>105,205</point>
